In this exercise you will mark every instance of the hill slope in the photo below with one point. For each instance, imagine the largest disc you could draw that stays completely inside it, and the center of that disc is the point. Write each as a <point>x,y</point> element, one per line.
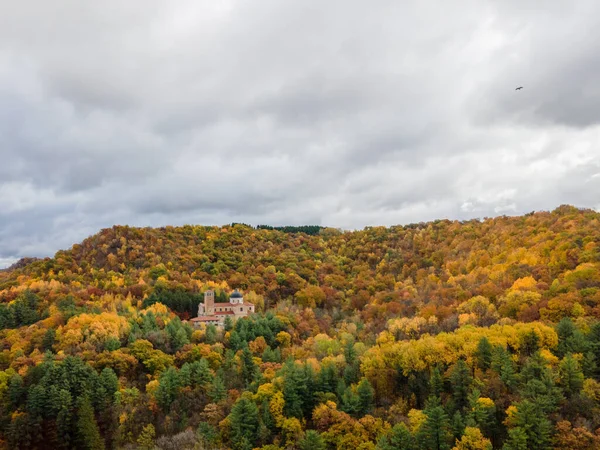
<point>378,321</point>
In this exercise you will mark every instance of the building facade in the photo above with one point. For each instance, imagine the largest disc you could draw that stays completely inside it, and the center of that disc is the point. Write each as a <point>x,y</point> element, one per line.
<point>213,313</point>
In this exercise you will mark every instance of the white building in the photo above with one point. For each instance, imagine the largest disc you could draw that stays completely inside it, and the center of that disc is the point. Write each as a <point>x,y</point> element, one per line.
<point>213,313</point>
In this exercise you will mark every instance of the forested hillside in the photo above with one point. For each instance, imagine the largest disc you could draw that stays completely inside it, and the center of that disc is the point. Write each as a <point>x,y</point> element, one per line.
<point>470,335</point>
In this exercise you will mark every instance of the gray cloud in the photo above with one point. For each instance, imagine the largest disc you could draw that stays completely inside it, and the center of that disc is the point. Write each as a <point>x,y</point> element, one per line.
<point>336,113</point>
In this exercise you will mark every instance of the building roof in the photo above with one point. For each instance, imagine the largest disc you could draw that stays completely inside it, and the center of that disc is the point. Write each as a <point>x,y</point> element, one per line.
<point>224,313</point>
<point>232,305</point>
<point>205,319</point>
<point>236,294</point>
<point>228,304</point>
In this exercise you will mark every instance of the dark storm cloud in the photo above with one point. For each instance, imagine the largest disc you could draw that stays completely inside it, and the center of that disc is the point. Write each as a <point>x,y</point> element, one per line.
<point>339,113</point>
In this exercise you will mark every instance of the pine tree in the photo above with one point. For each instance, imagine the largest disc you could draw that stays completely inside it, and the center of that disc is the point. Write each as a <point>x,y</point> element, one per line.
<point>88,434</point>
<point>228,324</point>
<point>350,402</point>
<point>399,438</point>
<point>533,424</point>
<point>571,376</point>
<point>530,343</point>
<point>217,391</point>
<point>211,334</point>
<point>244,424</point>
<point>168,388</point>
<point>312,440</point>
<point>249,368</point>
<point>517,440</point>
<point>328,378</point>
<point>49,338</point>
<point>457,425</point>
<point>366,395</point>
<point>484,354</point>
<point>504,366</point>
<point>294,390</point>
<point>460,379</point>
<point>436,383</point>
<point>309,379</point>
<point>435,433</point>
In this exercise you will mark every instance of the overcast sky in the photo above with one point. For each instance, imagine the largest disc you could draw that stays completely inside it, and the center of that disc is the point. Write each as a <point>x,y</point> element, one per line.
<point>338,113</point>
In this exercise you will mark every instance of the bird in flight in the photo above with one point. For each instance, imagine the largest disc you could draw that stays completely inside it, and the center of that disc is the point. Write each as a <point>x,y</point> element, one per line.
<point>520,87</point>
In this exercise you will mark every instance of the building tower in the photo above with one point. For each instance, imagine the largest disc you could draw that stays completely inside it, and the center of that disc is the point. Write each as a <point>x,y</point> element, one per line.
<point>236,298</point>
<point>209,303</point>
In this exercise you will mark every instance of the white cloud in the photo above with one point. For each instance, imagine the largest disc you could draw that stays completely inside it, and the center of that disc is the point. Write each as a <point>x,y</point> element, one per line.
<point>339,113</point>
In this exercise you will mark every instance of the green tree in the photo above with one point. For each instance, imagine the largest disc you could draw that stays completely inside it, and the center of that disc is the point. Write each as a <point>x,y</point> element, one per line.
<point>366,395</point>
<point>49,338</point>
<point>217,391</point>
<point>399,438</point>
<point>249,367</point>
<point>460,379</point>
<point>228,324</point>
<point>211,334</point>
<point>436,383</point>
<point>531,423</point>
<point>484,354</point>
<point>530,343</point>
<point>435,432</point>
<point>244,424</point>
<point>88,433</point>
<point>312,440</point>
<point>504,366</point>
<point>517,440</point>
<point>570,339</point>
<point>168,388</point>
<point>571,376</point>
<point>295,391</point>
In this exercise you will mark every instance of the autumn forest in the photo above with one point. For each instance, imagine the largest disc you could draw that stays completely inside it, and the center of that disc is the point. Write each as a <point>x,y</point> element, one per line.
<point>472,335</point>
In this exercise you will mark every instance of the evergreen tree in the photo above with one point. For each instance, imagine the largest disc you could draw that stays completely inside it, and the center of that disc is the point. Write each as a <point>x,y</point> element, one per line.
<point>517,440</point>
<point>435,433</point>
<point>460,379</point>
<point>63,403</point>
<point>168,388</point>
<point>484,354</point>
<point>294,390</point>
<point>399,438</point>
<point>217,391</point>
<point>249,367</point>
<point>88,433</point>
<point>48,341</point>
<point>366,395</point>
<point>211,334</point>
<point>570,339</point>
<point>195,374</point>
<point>328,378</point>
<point>571,376</point>
<point>350,402</point>
<point>436,383</point>
<point>351,370</point>
<point>533,427</point>
<point>539,386</point>
<point>457,425</point>
<point>228,324</point>
<point>530,343</point>
<point>310,383</point>
<point>312,440</point>
<point>244,424</point>
<point>589,365</point>
<point>504,366</point>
